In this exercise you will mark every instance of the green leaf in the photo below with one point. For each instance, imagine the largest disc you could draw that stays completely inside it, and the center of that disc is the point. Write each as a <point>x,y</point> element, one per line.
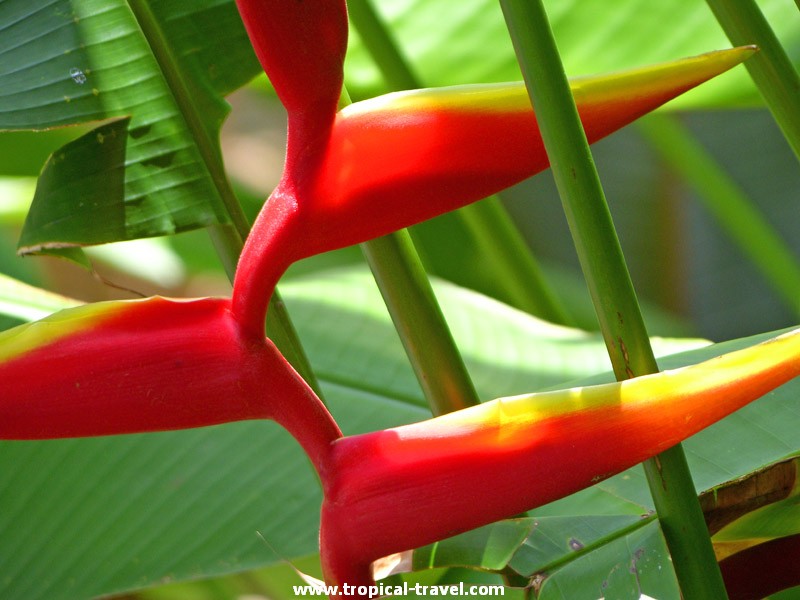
<point>155,74</point>
<point>526,545</point>
<point>555,540</point>
<point>489,547</point>
<point>637,564</point>
<point>568,557</point>
<point>29,303</point>
<point>468,42</point>
<point>24,152</point>
<point>87,517</point>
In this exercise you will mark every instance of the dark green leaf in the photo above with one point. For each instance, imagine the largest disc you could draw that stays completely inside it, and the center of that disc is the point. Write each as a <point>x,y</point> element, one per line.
<point>157,72</point>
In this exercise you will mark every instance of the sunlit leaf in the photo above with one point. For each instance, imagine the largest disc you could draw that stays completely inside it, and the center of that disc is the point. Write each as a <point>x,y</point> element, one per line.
<point>469,43</point>
<point>29,303</point>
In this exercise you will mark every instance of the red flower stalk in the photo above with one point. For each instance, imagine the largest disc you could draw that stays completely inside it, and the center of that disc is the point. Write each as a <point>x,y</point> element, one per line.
<point>402,488</point>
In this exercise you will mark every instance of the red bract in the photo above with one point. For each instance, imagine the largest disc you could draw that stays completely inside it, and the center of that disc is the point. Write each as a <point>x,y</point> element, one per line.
<point>492,461</point>
<point>399,159</point>
<point>149,365</point>
<point>301,45</point>
<point>391,162</point>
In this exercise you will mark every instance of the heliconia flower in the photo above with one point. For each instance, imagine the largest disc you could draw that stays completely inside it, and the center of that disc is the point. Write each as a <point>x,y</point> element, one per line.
<point>149,365</point>
<point>377,166</point>
<point>405,157</point>
<point>383,164</point>
<point>402,488</point>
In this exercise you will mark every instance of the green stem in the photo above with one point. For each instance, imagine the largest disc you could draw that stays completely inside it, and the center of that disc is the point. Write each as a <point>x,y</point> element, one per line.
<point>381,46</point>
<point>609,283</point>
<point>488,221</point>
<point>728,204</point>
<point>228,244</point>
<point>771,70</point>
<point>581,193</point>
<point>420,323</point>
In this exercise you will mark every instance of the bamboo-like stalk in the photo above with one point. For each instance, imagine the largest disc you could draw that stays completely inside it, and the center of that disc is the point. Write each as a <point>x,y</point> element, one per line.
<point>609,283</point>
<point>771,69</point>
<point>420,323</point>
<point>489,223</point>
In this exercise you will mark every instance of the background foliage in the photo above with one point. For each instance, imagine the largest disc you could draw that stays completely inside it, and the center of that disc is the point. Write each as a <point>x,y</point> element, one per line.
<point>142,83</point>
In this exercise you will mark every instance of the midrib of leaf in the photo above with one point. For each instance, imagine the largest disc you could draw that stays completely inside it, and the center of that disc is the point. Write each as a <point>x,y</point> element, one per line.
<point>621,533</point>
<point>179,89</point>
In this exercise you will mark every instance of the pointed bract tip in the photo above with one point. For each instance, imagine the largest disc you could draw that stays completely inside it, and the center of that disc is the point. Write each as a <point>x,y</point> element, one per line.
<point>661,81</point>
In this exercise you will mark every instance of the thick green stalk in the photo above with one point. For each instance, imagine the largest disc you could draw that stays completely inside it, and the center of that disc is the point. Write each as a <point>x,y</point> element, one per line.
<point>772,71</point>
<point>609,283</point>
<point>489,223</point>
<point>420,323</point>
<point>381,45</point>
<point>579,186</point>
<point>728,204</point>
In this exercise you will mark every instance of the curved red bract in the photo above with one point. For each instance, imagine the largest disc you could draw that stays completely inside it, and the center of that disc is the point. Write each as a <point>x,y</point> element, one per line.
<point>387,163</point>
<point>152,365</point>
<point>478,465</point>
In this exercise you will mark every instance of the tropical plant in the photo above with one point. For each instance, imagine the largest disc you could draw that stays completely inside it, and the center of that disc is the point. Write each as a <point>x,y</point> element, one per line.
<point>152,75</point>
